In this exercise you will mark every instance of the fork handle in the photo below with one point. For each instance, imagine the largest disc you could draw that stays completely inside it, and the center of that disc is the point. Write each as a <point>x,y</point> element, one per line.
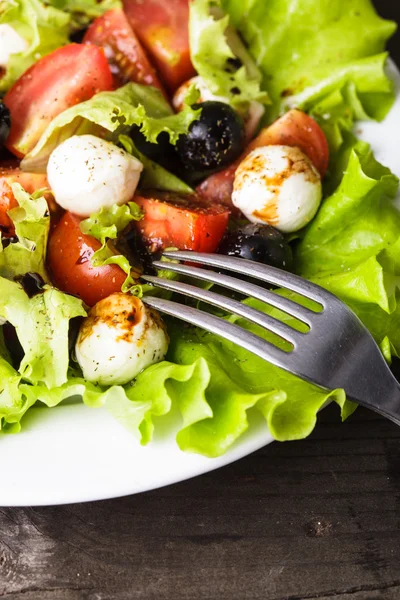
<point>380,391</point>
<point>388,406</point>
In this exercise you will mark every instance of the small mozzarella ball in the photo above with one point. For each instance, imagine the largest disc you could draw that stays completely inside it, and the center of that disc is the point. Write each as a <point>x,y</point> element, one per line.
<point>279,186</point>
<point>251,121</point>
<point>87,173</point>
<point>10,43</point>
<point>118,339</point>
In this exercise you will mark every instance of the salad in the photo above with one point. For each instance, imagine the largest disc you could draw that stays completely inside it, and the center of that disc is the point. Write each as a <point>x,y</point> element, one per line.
<point>128,127</point>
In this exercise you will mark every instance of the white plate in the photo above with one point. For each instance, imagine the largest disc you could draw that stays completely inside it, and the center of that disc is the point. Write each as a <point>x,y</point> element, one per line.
<point>74,454</point>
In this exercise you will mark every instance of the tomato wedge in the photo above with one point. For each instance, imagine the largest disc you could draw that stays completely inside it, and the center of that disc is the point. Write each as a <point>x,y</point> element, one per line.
<point>296,128</point>
<point>293,129</point>
<point>162,27</point>
<point>9,174</point>
<point>175,221</point>
<point>125,55</point>
<point>57,81</point>
<point>68,258</point>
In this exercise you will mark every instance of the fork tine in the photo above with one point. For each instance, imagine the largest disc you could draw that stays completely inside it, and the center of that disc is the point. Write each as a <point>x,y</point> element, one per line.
<point>266,273</point>
<point>239,285</point>
<point>229,331</point>
<point>233,306</point>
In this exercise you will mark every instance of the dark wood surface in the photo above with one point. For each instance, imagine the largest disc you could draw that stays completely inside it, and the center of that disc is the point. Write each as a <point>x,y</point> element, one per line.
<point>297,521</point>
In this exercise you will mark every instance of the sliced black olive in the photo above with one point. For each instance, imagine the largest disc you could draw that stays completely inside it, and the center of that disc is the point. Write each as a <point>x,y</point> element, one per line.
<point>5,123</point>
<point>261,243</point>
<point>213,141</point>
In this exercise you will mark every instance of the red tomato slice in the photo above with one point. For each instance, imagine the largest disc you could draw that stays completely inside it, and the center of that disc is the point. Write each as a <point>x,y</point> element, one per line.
<point>296,128</point>
<point>9,174</point>
<point>125,55</point>
<point>68,257</point>
<point>65,77</point>
<point>173,221</point>
<point>162,27</point>
<point>293,129</point>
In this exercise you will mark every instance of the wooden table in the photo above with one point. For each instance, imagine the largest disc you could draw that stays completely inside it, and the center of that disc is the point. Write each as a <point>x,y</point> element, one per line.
<point>298,521</point>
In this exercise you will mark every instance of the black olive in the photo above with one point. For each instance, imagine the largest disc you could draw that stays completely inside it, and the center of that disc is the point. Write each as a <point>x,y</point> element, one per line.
<point>6,241</point>
<point>13,344</point>
<point>261,243</point>
<point>74,326</point>
<point>130,243</point>
<point>77,36</point>
<point>5,155</point>
<point>215,140</point>
<point>5,123</point>
<point>162,152</point>
<point>32,283</point>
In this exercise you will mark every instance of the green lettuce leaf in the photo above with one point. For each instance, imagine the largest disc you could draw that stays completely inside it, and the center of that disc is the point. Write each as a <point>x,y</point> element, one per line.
<point>32,224</point>
<point>43,27</point>
<point>84,11</point>
<point>42,324</point>
<point>154,176</point>
<point>13,404</point>
<point>106,225</point>
<point>214,48</point>
<point>111,114</point>
<point>311,52</point>
<point>352,247</point>
<point>358,221</point>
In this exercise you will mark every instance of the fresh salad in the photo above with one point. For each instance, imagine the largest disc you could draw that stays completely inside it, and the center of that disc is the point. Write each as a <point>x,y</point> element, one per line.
<point>128,127</point>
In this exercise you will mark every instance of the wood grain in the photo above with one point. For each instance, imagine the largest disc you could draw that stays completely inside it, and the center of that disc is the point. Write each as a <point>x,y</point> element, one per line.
<point>297,521</point>
<point>315,519</point>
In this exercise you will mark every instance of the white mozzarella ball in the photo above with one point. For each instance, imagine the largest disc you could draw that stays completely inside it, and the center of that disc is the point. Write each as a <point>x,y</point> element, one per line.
<point>118,339</point>
<point>87,173</point>
<point>278,186</point>
<point>10,43</point>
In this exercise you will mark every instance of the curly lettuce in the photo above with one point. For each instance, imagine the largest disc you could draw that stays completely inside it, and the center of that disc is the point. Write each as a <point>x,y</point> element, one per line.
<point>41,322</point>
<point>13,402</point>
<point>105,226</point>
<point>220,58</point>
<point>27,254</point>
<point>352,246</point>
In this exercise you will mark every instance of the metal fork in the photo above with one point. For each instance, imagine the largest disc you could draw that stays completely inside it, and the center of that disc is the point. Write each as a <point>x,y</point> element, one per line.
<point>336,352</point>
